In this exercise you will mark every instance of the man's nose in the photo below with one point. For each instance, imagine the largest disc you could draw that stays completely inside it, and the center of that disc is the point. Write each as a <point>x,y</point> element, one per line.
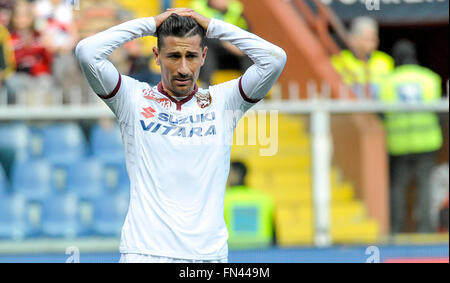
<point>183,67</point>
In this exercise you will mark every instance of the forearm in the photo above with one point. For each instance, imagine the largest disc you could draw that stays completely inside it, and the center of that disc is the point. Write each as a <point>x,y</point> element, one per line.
<point>92,52</point>
<point>269,59</point>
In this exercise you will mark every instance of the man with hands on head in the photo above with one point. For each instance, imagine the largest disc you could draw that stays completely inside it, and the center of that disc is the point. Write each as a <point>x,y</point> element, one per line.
<point>177,137</point>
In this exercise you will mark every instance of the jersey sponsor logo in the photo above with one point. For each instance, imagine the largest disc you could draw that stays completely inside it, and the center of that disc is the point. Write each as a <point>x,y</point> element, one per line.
<point>148,112</point>
<point>177,131</point>
<point>191,119</point>
<point>170,125</point>
<point>150,95</point>
<point>203,100</point>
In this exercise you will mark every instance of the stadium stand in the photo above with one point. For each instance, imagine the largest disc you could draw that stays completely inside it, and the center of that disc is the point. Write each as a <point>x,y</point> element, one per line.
<point>287,177</point>
<point>123,184</point>
<point>61,216</point>
<point>4,184</point>
<point>85,179</point>
<point>109,213</point>
<point>62,183</point>
<point>63,143</point>
<point>32,178</point>
<point>52,159</point>
<point>12,217</point>
<point>106,144</point>
<point>14,139</point>
<point>116,178</point>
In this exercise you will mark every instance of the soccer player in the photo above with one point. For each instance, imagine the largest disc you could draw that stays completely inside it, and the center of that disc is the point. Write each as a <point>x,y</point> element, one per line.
<point>177,137</point>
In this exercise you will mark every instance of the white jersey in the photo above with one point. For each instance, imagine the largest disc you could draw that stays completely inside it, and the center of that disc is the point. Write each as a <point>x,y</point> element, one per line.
<point>177,151</point>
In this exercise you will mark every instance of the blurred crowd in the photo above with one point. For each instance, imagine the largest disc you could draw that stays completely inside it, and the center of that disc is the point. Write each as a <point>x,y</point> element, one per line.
<point>38,38</point>
<point>37,41</point>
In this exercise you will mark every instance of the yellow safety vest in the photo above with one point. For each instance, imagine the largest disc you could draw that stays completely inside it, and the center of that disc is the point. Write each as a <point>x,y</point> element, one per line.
<point>357,73</point>
<point>249,217</point>
<point>232,16</point>
<point>9,60</point>
<point>414,132</point>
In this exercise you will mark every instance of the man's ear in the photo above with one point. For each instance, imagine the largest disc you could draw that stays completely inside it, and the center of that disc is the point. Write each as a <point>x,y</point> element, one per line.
<point>205,51</point>
<point>156,55</point>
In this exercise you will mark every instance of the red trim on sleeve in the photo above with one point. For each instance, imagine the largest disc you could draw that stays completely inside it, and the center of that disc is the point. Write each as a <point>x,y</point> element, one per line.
<point>244,96</point>
<point>115,90</point>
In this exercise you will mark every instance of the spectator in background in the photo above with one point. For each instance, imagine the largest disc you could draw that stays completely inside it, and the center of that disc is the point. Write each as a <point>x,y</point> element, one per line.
<point>140,63</point>
<point>54,20</point>
<point>32,83</point>
<point>363,67</point>
<point>222,55</point>
<point>7,60</point>
<point>239,193</point>
<point>5,12</point>
<point>238,173</point>
<point>412,138</point>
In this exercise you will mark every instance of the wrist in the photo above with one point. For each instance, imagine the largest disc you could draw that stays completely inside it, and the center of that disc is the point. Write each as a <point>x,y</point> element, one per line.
<point>158,20</point>
<point>153,25</point>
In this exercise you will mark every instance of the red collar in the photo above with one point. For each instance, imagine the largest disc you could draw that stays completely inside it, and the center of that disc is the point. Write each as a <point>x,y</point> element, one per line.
<point>176,101</point>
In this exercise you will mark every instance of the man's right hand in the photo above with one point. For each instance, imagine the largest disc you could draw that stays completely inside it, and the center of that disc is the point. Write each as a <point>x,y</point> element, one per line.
<point>180,11</point>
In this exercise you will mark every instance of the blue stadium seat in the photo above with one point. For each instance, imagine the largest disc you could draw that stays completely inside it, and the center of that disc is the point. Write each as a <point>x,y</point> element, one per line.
<point>13,217</point>
<point>4,187</point>
<point>85,179</point>
<point>110,210</point>
<point>106,144</point>
<point>35,145</point>
<point>15,136</point>
<point>116,177</point>
<point>63,143</point>
<point>124,180</point>
<point>32,178</point>
<point>61,217</point>
<point>14,140</point>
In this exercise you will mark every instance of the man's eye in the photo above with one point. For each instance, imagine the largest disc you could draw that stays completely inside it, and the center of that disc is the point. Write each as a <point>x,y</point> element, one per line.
<point>191,56</point>
<point>174,56</point>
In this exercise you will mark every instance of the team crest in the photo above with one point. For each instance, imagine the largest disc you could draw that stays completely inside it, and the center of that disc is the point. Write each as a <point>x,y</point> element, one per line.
<point>203,99</point>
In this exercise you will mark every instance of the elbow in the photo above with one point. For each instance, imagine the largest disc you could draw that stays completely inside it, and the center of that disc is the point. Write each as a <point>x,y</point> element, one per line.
<point>278,59</point>
<point>82,52</point>
<point>281,58</point>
